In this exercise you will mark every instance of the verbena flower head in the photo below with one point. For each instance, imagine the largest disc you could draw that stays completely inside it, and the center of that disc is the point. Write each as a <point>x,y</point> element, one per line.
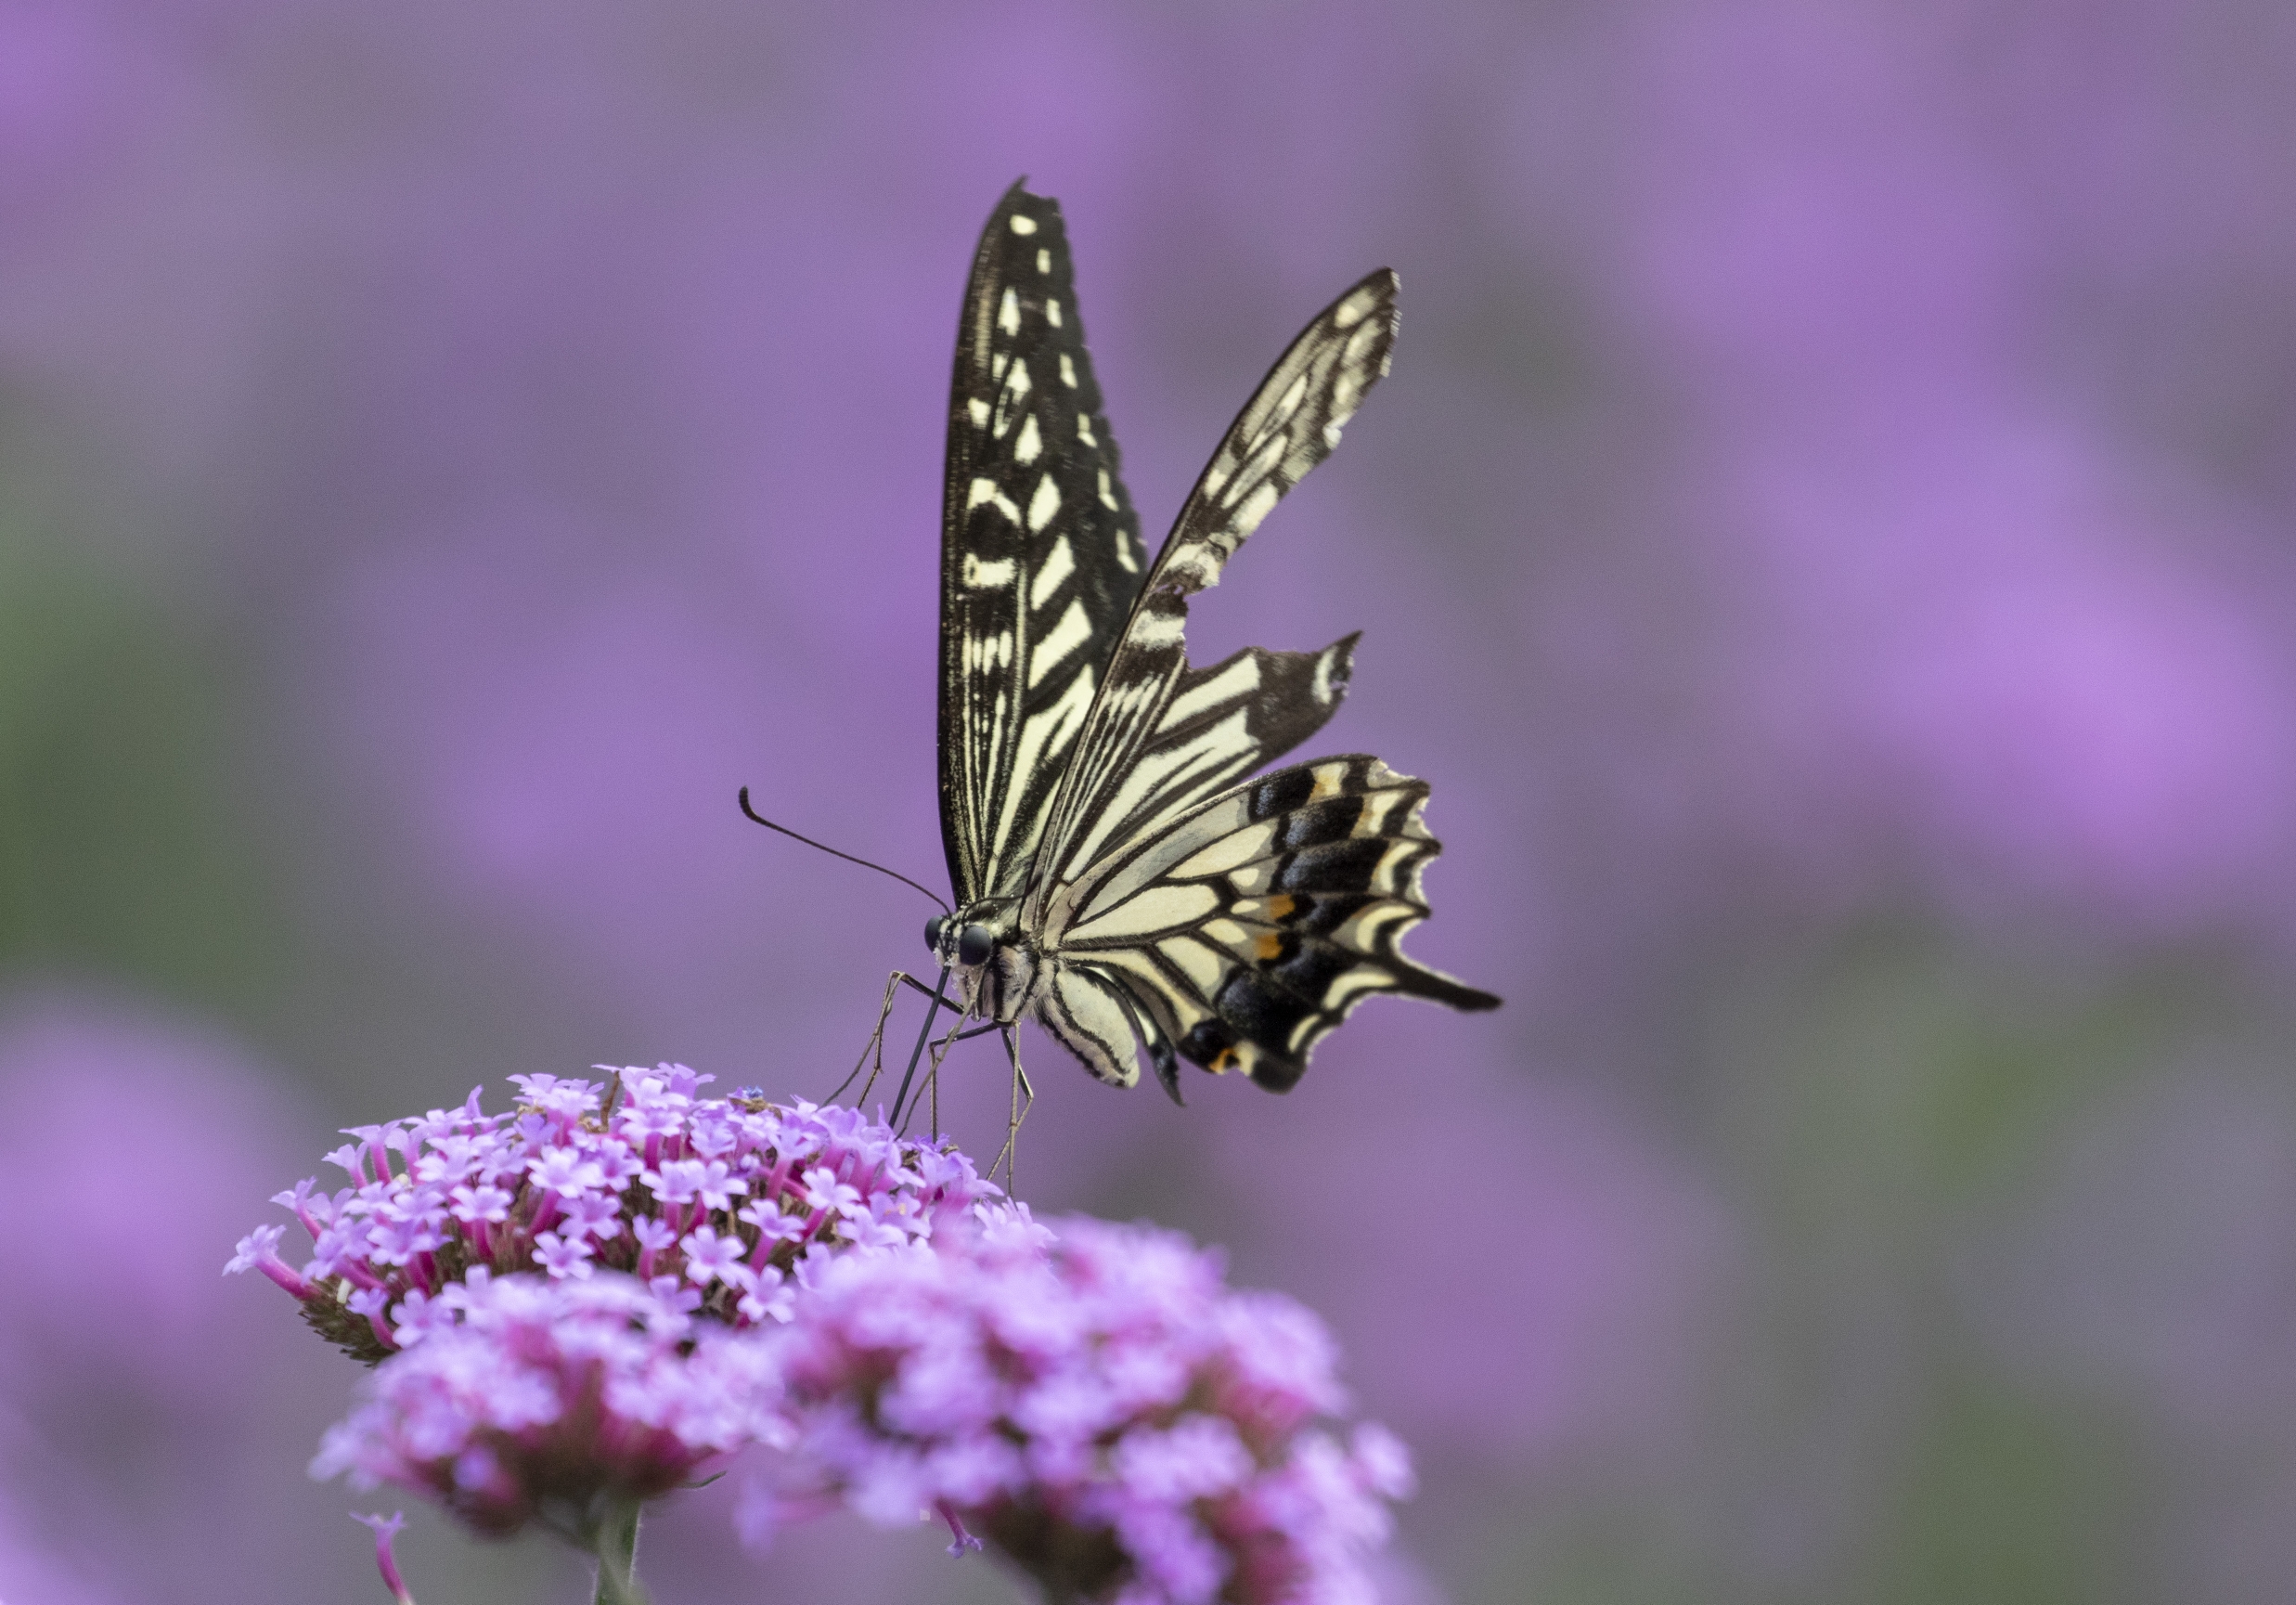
<point>545,1396</point>
<point>718,1203</point>
<point>1093,1402</point>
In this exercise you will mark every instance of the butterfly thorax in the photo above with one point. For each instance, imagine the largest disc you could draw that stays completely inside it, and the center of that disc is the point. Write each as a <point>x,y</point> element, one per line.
<point>993,961</point>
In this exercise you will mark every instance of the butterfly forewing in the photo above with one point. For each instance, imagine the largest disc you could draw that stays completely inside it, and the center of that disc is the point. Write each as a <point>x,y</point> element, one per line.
<point>1247,928</point>
<point>1040,550</point>
<point>1149,748</point>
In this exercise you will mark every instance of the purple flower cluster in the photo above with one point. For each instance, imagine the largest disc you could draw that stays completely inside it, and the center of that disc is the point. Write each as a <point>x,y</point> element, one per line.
<point>595,1298</point>
<point>1096,1405</point>
<point>716,1204</point>
<point>544,1394</point>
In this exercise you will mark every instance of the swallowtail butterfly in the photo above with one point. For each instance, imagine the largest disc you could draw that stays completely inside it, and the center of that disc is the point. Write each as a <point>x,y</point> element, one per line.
<point>1118,874</point>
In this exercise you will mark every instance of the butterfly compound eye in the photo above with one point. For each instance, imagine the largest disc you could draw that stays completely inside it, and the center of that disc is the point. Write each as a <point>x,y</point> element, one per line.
<point>933,931</point>
<point>974,943</point>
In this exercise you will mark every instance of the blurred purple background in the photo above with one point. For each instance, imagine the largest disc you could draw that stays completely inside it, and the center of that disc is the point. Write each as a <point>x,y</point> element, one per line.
<point>1827,538</point>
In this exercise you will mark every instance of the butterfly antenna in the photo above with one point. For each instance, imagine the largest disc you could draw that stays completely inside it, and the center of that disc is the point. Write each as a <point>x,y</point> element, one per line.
<point>758,817</point>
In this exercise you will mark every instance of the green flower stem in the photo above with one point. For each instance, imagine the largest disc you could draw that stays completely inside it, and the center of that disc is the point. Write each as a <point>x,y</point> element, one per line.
<point>613,1539</point>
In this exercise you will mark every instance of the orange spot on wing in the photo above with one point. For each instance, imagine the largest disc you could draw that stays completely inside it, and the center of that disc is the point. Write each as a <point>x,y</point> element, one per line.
<point>1269,946</point>
<point>1281,905</point>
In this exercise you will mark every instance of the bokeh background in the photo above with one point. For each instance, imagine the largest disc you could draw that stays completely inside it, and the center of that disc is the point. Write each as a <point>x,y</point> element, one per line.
<point>1827,537</point>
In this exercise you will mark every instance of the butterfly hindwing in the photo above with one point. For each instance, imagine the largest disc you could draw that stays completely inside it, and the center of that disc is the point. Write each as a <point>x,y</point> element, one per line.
<point>1040,550</point>
<point>1241,932</point>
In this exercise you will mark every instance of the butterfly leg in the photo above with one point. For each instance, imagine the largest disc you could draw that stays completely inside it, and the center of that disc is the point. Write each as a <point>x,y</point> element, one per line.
<point>874,1049</point>
<point>1023,1099</point>
<point>874,1045</point>
<point>932,1089</point>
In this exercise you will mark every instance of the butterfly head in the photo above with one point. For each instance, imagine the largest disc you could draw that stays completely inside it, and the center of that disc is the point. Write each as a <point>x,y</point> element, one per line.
<point>960,943</point>
<point>984,947</point>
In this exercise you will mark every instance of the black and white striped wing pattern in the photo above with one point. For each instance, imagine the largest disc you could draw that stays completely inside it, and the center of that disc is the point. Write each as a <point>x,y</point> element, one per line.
<point>1040,550</point>
<point>1164,735</point>
<point>1117,873</point>
<point>1237,935</point>
<point>1232,924</point>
